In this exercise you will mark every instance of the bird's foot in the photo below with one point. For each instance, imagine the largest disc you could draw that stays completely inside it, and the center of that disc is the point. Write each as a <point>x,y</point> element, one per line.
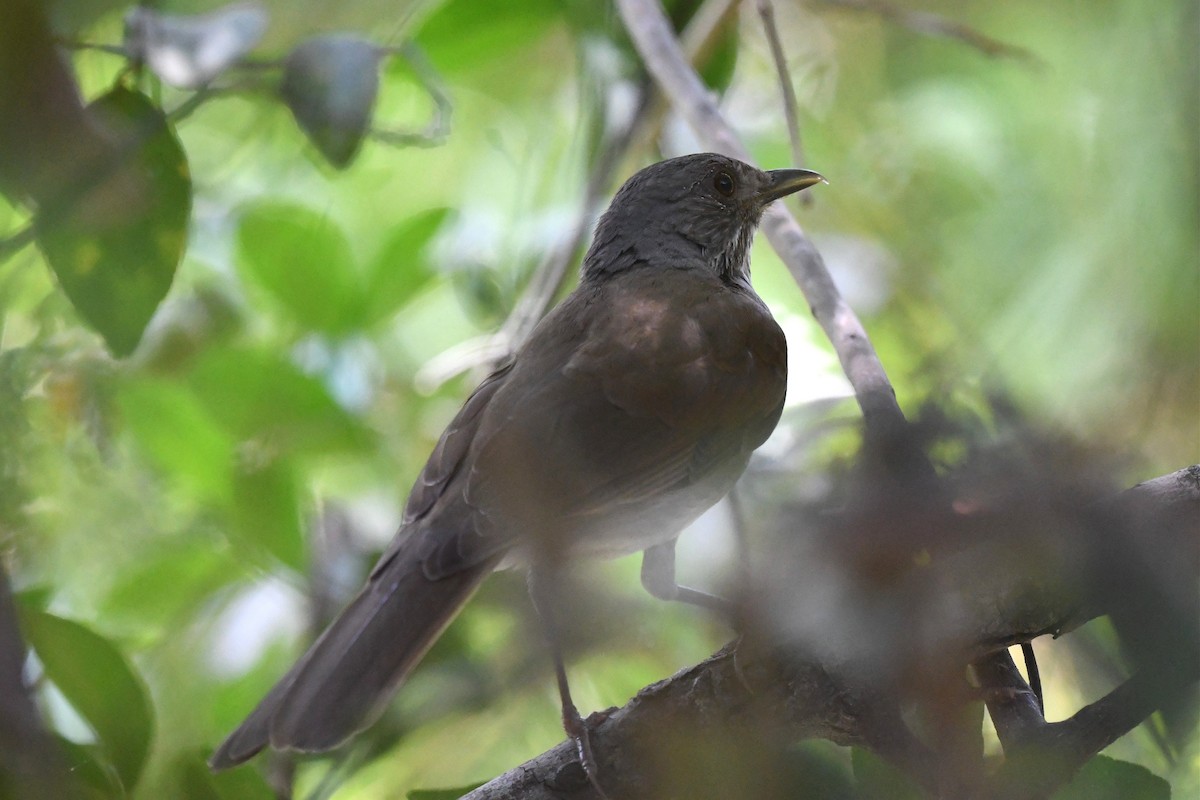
<point>577,728</point>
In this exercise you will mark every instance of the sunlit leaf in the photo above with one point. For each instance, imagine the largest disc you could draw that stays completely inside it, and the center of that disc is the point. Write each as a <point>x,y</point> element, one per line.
<point>303,260</point>
<point>1105,778</point>
<point>179,434</point>
<point>257,395</point>
<point>330,84</point>
<point>99,683</point>
<point>402,267</point>
<point>464,35</point>
<point>115,239</point>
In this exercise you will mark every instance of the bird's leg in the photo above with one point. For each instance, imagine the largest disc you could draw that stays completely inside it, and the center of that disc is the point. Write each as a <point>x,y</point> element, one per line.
<point>542,592</point>
<point>658,577</point>
<point>1035,675</point>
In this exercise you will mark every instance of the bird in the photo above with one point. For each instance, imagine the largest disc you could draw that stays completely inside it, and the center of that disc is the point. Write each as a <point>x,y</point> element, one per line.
<point>631,408</point>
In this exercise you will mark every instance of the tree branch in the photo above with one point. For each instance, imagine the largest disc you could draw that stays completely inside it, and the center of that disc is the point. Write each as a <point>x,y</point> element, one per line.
<point>928,24</point>
<point>750,700</point>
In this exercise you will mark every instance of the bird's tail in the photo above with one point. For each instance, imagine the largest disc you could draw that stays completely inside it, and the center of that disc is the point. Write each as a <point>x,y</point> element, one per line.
<point>346,678</point>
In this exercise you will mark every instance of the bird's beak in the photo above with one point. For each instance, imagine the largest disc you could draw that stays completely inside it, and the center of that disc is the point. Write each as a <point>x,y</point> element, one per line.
<point>787,181</point>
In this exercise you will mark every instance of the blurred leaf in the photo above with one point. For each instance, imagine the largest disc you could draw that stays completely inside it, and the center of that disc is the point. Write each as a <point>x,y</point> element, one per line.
<point>717,71</point>
<point>115,240</point>
<point>266,512</point>
<point>464,35</point>
<point>304,261</point>
<point>261,397</point>
<point>442,794</point>
<point>1105,778</point>
<point>819,770</point>
<point>99,683</point>
<point>330,83</point>
<point>198,782</point>
<point>204,316</point>
<point>160,588</point>
<point>37,596</point>
<point>402,267</point>
<point>16,376</point>
<point>91,775</point>
<point>189,51</point>
<point>179,434</point>
<point>878,780</point>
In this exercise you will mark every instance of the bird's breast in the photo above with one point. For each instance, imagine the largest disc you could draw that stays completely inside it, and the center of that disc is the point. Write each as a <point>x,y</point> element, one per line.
<point>691,352</point>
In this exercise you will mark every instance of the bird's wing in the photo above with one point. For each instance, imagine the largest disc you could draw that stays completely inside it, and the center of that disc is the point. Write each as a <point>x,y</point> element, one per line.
<point>444,467</point>
<point>646,388</point>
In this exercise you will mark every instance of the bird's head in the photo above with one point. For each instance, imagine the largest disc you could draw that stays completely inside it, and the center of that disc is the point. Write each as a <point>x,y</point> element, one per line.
<point>693,211</point>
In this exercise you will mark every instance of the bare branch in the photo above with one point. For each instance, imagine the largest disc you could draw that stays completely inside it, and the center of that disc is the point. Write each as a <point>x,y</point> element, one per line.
<point>787,90</point>
<point>758,698</point>
<point>929,24</point>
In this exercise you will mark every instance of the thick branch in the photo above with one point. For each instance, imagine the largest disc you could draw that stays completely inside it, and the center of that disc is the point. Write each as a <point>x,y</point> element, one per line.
<point>750,702</point>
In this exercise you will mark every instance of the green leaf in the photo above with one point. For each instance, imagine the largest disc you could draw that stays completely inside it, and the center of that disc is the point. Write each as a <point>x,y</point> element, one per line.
<point>466,35</point>
<point>304,261</point>
<point>90,774</point>
<point>261,397</point>
<point>266,512</point>
<point>180,435</point>
<point>402,267</point>
<point>442,794</point>
<point>99,683</point>
<point>1105,778</point>
<point>161,588</point>
<point>878,780</point>
<point>197,782</point>
<point>115,238</point>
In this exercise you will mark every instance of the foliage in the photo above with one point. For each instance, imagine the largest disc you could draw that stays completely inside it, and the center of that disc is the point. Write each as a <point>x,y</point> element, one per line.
<point>204,439</point>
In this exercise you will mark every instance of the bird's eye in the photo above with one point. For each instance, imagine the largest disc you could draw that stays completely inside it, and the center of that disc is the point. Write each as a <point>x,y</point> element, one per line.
<point>723,183</point>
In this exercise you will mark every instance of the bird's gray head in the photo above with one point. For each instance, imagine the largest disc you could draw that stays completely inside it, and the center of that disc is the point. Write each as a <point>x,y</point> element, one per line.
<point>693,211</point>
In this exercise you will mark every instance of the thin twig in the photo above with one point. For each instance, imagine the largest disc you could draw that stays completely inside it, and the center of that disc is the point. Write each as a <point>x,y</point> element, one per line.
<point>930,24</point>
<point>438,129</point>
<point>787,90</point>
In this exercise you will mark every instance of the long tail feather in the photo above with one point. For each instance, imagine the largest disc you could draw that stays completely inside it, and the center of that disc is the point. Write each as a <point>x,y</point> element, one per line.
<point>346,678</point>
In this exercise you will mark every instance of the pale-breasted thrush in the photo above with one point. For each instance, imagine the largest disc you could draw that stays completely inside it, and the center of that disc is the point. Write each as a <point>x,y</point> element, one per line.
<point>631,409</point>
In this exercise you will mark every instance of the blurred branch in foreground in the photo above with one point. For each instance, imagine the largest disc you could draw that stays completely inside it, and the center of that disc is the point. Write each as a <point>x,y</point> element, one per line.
<point>840,653</point>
